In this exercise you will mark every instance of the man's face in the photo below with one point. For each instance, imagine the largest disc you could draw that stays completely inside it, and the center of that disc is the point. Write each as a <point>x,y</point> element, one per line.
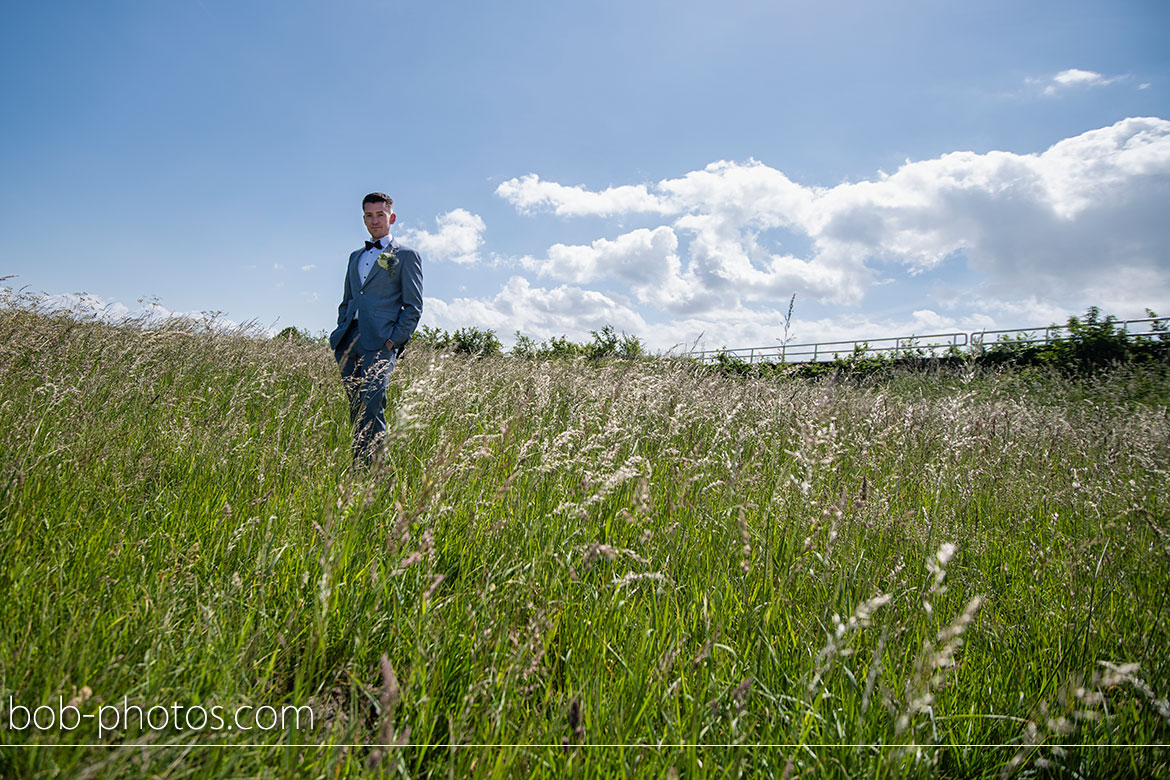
<point>379,217</point>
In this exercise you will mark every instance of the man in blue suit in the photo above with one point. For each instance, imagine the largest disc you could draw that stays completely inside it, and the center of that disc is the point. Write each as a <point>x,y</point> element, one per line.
<point>380,307</point>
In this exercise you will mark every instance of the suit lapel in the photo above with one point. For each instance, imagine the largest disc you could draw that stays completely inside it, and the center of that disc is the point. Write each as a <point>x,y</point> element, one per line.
<point>390,247</point>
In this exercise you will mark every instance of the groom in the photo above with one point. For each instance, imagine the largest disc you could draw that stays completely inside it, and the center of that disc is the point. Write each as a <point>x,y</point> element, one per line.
<point>380,307</point>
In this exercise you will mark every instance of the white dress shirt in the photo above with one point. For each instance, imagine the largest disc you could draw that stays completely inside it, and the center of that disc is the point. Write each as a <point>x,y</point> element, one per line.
<point>366,261</point>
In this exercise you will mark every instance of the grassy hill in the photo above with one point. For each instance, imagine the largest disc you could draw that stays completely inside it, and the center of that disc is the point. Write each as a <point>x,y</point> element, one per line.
<point>560,555</point>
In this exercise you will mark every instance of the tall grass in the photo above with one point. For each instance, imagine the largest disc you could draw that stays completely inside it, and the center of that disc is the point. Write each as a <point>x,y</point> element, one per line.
<point>874,579</point>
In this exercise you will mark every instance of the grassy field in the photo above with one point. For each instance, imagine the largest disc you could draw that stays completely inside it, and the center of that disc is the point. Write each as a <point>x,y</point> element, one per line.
<point>622,569</point>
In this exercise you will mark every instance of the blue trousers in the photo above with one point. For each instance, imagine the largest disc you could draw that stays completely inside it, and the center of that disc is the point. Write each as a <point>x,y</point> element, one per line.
<point>366,376</point>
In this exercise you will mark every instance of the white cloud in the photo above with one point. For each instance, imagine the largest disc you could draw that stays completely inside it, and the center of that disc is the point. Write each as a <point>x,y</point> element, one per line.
<point>308,267</point>
<point>764,329</point>
<point>89,306</point>
<point>149,313</point>
<point>1023,312</point>
<point>529,194</point>
<point>1075,77</point>
<point>458,239</point>
<point>748,194</point>
<point>535,311</point>
<point>1084,215</point>
<point>645,260</point>
<point>1037,236</point>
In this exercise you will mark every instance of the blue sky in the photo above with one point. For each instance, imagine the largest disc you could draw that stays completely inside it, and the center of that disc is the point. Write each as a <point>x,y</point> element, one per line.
<point>670,168</point>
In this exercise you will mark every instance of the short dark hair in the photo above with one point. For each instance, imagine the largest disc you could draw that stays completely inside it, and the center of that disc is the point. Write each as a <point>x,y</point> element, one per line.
<point>377,197</point>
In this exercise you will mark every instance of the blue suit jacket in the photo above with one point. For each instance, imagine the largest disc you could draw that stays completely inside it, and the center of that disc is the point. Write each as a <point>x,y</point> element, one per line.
<point>388,305</point>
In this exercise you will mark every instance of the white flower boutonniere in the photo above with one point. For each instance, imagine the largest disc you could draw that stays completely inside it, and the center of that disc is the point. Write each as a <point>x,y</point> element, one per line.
<point>388,259</point>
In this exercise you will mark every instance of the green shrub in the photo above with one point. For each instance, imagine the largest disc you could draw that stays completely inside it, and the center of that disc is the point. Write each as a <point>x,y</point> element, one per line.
<point>473,341</point>
<point>466,341</point>
<point>525,347</point>
<point>561,347</point>
<point>1093,342</point>
<point>431,337</point>
<point>295,335</point>
<point>608,344</point>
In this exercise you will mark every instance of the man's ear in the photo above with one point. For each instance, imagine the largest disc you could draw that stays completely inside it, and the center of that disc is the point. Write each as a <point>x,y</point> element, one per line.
<point>393,217</point>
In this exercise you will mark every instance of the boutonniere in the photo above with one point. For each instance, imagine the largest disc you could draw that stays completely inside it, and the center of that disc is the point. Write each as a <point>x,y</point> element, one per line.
<point>387,259</point>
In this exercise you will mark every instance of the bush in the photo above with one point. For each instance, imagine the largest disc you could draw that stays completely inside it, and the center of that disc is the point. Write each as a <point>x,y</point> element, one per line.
<point>473,341</point>
<point>432,337</point>
<point>1092,343</point>
<point>295,335</point>
<point>525,347</point>
<point>561,347</point>
<point>467,341</point>
<point>604,344</point>
<point>607,344</point>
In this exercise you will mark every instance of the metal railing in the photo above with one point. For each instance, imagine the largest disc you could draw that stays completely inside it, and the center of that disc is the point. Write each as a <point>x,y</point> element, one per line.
<point>930,345</point>
<point>1052,333</point>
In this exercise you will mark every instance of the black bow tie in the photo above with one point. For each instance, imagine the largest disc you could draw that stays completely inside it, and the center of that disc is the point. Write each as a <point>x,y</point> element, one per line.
<point>373,245</point>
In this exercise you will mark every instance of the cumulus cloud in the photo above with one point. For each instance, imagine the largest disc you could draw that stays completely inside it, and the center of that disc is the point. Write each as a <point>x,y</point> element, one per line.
<point>529,194</point>
<point>308,267</point>
<point>1086,214</point>
<point>1036,236</point>
<point>537,312</point>
<point>458,238</point>
<point>646,261</point>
